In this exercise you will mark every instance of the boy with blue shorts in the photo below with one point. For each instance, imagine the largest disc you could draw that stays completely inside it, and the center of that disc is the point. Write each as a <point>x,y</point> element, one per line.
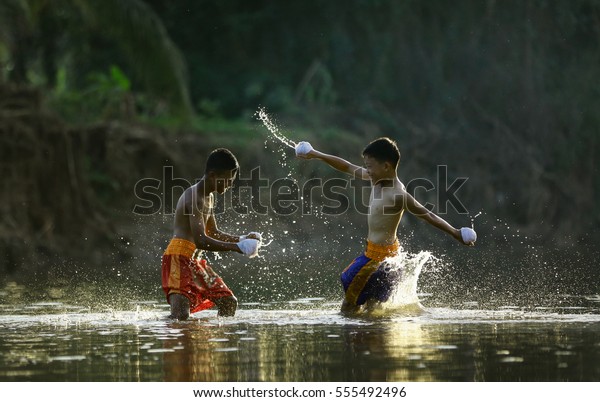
<point>366,279</point>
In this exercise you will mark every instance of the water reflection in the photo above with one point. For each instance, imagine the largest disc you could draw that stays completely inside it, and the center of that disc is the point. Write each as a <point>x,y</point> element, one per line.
<point>198,354</point>
<point>54,341</point>
<point>390,351</point>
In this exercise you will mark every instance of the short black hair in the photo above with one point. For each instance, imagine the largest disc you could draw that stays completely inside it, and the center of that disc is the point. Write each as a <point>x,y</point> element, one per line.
<point>221,159</point>
<point>383,149</point>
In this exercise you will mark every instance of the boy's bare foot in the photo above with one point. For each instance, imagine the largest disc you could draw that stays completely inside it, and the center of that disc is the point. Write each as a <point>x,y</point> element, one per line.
<point>227,306</point>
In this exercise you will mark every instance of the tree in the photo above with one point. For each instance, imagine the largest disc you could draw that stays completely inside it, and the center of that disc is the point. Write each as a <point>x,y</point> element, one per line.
<point>44,33</point>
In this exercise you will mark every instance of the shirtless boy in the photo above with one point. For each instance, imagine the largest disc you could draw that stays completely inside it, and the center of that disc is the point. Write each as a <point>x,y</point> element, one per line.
<point>189,282</point>
<point>363,282</point>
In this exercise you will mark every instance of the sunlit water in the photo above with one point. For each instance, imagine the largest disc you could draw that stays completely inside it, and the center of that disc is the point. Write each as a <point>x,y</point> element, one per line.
<point>301,340</point>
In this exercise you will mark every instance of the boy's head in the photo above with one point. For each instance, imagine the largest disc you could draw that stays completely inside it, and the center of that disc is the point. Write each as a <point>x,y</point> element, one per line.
<point>221,169</point>
<point>381,157</point>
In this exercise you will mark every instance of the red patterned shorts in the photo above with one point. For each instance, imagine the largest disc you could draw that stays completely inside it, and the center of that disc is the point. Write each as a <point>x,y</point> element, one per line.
<point>191,277</point>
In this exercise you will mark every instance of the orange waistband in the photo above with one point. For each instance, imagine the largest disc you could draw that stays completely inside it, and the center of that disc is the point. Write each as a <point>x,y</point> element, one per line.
<point>181,247</point>
<point>381,251</point>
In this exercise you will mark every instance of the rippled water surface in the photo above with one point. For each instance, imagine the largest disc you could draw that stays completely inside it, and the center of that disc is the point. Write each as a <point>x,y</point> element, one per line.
<point>302,340</point>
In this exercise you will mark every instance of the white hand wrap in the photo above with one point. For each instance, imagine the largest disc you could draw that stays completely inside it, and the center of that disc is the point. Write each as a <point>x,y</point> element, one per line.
<point>468,235</point>
<point>303,148</point>
<point>256,235</point>
<point>249,247</point>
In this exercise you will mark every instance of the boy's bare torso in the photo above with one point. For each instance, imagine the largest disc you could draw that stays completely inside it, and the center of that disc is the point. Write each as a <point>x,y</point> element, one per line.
<point>192,206</point>
<point>385,211</point>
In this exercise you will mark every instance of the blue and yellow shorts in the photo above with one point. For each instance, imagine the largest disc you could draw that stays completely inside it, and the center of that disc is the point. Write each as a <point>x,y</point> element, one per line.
<point>367,278</point>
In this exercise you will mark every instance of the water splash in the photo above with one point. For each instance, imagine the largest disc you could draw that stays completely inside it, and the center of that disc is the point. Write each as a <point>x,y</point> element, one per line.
<point>404,300</point>
<point>273,129</point>
<point>279,139</point>
<point>473,219</point>
<point>411,266</point>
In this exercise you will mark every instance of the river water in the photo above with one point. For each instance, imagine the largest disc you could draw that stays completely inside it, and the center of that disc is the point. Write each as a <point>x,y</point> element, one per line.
<point>301,340</point>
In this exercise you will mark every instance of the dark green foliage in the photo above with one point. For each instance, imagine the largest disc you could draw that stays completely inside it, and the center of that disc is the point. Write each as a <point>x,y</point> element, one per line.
<point>39,38</point>
<point>504,92</point>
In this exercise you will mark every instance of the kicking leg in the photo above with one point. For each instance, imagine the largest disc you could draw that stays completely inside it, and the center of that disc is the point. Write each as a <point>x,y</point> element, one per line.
<point>180,306</point>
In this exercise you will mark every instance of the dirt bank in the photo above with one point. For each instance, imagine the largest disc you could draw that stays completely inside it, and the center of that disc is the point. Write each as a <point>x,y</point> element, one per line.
<point>63,186</point>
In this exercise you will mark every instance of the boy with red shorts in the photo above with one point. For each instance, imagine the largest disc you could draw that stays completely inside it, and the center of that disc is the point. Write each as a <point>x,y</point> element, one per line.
<point>190,284</point>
